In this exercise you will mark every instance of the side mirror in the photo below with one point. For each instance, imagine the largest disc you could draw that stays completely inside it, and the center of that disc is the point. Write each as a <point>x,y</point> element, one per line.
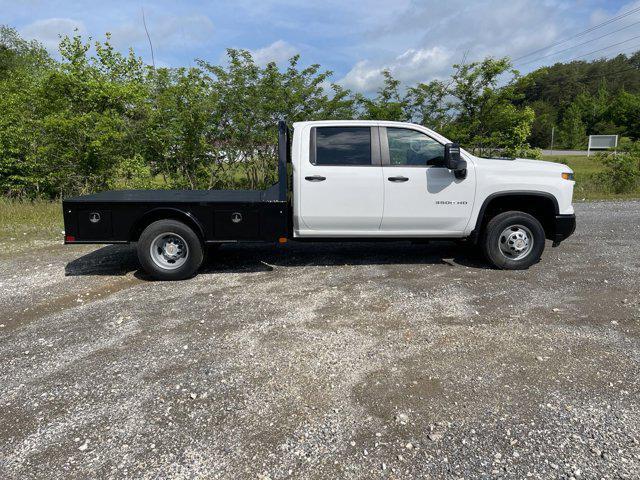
<point>453,160</point>
<point>451,156</point>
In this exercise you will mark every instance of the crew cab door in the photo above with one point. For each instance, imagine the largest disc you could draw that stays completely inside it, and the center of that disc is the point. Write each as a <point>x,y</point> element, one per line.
<point>340,183</point>
<point>421,195</point>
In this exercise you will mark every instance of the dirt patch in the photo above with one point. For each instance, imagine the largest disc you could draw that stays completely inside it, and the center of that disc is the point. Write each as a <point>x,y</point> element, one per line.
<point>64,302</point>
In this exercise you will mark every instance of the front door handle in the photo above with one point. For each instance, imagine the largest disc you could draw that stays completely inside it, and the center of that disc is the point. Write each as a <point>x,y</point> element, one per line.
<point>315,178</point>
<point>398,179</point>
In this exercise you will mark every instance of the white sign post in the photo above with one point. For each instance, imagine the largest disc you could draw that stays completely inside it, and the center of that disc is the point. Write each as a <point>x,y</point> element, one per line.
<point>602,142</point>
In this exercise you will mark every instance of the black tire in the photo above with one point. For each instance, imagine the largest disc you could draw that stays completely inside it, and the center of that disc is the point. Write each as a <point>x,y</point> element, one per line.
<point>192,257</point>
<point>493,240</point>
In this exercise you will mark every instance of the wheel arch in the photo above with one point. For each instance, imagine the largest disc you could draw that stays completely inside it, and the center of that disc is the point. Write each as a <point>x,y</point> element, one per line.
<point>542,205</point>
<point>166,213</point>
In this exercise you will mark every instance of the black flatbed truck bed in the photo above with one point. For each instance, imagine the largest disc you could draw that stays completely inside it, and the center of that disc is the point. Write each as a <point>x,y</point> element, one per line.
<point>178,196</point>
<point>215,215</point>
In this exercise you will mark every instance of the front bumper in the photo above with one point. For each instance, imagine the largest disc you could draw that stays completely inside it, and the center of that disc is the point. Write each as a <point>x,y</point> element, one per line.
<point>565,225</point>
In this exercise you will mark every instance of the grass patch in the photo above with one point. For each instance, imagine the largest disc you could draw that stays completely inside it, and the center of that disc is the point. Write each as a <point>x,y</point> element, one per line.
<point>585,169</point>
<point>27,221</point>
<point>578,163</point>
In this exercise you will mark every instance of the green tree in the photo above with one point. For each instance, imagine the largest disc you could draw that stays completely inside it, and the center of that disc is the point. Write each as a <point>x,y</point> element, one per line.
<point>545,120</point>
<point>427,105</point>
<point>180,114</point>
<point>90,109</point>
<point>486,110</point>
<point>625,112</point>
<point>389,103</point>
<point>477,107</point>
<point>23,66</point>
<point>573,132</point>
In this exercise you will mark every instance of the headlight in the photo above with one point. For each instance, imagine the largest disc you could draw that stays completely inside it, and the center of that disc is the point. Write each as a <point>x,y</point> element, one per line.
<point>567,176</point>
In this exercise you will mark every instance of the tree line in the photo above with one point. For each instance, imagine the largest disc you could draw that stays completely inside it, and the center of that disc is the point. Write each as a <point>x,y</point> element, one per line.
<point>98,119</point>
<point>584,98</point>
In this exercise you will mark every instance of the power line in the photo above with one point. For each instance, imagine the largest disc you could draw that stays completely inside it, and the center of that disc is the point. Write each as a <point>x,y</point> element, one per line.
<point>580,44</point>
<point>580,34</point>
<point>631,50</point>
<point>605,48</point>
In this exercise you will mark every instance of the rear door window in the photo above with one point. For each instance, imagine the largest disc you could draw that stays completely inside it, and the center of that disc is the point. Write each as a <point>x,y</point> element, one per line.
<point>350,146</point>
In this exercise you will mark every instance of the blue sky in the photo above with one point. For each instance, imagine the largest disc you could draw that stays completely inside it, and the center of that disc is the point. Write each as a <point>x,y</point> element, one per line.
<point>416,40</point>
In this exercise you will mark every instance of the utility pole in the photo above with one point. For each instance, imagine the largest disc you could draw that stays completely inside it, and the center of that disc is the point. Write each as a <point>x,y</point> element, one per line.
<point>553,131</point>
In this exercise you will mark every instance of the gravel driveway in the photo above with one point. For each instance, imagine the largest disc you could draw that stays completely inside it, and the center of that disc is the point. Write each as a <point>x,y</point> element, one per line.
<point>391,360</point>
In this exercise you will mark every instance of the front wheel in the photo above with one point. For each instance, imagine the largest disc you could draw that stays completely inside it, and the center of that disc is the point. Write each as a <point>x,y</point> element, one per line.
<point>169,250</point>
<point>513,240</point>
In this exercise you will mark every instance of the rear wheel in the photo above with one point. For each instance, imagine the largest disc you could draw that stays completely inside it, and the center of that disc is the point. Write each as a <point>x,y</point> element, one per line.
<point>169,250</point>
<point>513,240</point>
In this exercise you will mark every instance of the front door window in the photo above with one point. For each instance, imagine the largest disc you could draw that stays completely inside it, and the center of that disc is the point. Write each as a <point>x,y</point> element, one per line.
<point>413,148</point>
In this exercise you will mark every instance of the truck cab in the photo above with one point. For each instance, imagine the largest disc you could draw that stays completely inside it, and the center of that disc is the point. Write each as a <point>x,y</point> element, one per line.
<point>349,179</point>
<point>390,179</point>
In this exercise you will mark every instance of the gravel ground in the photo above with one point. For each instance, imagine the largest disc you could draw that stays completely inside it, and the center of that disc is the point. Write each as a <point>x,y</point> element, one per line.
<point>392,360</point>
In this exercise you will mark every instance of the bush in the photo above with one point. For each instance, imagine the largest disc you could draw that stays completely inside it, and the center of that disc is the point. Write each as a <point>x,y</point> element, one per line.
<point>525,152</point>
<point>622,170</point>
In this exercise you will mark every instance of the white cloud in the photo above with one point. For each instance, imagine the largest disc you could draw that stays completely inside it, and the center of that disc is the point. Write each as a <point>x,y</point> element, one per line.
<point>48,31</point>
<point>279,52</point>
<point>414,65</point>
<point>363,77</point>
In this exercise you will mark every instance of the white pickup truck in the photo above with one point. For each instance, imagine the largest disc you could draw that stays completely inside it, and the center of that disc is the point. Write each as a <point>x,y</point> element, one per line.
<point>351,180</point>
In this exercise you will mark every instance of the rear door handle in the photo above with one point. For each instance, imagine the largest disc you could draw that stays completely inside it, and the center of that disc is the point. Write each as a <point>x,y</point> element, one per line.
<point>398,179</point>
<point>315,178</point>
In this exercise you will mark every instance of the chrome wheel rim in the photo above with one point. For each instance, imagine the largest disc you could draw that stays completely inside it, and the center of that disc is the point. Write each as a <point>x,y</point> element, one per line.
<point>169,251</point>
<point>515,242</point>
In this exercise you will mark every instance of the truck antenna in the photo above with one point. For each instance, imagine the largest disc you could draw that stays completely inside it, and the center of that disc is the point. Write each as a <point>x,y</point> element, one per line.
<point>144,22</point>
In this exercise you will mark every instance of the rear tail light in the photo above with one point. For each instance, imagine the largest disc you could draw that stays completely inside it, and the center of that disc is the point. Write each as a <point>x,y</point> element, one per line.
<point>69,238</point>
